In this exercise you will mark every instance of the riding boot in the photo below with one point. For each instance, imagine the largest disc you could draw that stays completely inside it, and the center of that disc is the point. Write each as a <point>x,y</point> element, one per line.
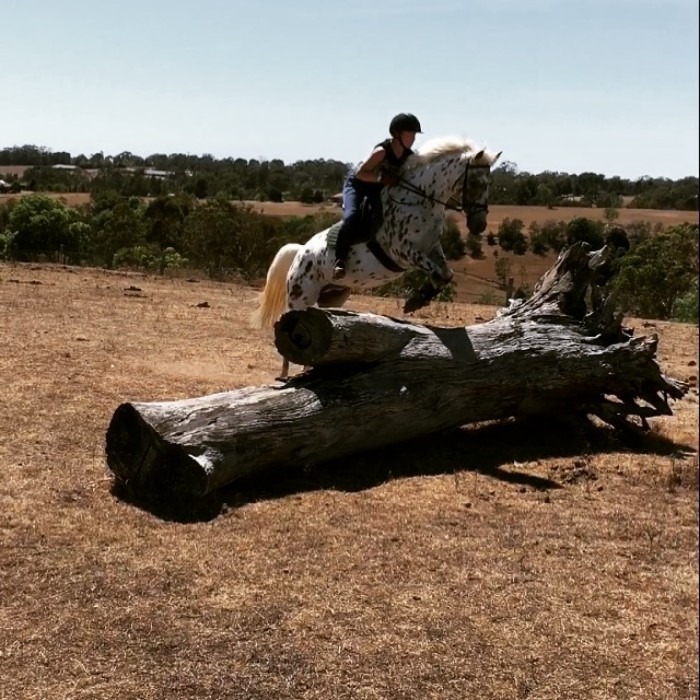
<point>341,252</point>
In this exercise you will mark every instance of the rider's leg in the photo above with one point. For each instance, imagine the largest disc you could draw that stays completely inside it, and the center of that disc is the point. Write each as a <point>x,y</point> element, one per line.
<point>352,196</point>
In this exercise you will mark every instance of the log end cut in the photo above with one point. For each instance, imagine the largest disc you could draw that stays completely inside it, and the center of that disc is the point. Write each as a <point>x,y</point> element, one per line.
<point>303,338</point>
<point>143,462</point>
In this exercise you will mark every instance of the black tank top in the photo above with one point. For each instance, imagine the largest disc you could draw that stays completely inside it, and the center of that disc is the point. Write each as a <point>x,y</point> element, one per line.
<point>391,162</point>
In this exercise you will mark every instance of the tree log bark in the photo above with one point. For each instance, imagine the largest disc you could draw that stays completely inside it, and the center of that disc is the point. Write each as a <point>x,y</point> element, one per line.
<point>376,380</point>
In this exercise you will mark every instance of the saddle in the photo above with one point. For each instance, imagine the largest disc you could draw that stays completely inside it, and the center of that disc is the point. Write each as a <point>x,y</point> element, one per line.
<point>370,221</point>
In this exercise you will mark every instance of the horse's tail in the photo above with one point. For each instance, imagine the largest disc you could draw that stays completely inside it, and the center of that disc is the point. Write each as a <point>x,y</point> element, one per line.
<point>273,299</point>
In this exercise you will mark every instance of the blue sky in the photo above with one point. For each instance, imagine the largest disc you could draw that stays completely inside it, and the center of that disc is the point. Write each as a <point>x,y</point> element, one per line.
<point>609,86</point>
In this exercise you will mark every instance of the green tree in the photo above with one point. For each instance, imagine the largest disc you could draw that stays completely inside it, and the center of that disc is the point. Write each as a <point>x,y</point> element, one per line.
<point>586,230</point>
<point>503,272</point>
<point>544,196</point>
<point>452,242</point>
<point>117,223</point>
<point>685,308</point>
<point>511,236</point>
<point>274,194</point>
<point>611,214</point>
<point>474,246</point>
<point>42,226</point>
<point>225,238</point>
<point>659,273</point>
<point>307,195</point>
<point>538,240</point>
<point>554,233</point>
<point>167,216</point>
<point>201,188</point>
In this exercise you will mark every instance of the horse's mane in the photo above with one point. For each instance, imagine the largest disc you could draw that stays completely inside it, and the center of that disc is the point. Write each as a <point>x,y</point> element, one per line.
<point>441,146</point>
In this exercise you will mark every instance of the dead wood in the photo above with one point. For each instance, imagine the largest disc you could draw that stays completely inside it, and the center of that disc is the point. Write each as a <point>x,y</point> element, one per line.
<point>377,380</point>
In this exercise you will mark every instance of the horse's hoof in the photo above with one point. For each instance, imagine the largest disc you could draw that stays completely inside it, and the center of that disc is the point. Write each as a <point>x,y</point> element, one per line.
<point>412,305</point>
<point>283,380</point>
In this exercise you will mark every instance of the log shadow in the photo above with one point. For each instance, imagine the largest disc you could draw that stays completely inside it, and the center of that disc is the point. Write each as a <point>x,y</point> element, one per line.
<point>489,449</point>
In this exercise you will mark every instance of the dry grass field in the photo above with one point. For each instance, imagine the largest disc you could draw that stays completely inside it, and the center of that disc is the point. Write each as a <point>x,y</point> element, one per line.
<point>493,562</point>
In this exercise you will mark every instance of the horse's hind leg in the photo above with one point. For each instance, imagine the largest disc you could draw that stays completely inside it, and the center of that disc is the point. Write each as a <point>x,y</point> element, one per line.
<point>284,373</point>
<point>333,296</point>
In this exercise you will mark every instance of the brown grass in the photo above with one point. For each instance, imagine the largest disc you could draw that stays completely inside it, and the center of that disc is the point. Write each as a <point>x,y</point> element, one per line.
<point>500,561</point>
<point>18,170</point>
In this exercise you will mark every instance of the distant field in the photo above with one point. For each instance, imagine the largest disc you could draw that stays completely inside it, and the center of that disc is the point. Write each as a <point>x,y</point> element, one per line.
<point>18,170</point>
<point>475,278</point>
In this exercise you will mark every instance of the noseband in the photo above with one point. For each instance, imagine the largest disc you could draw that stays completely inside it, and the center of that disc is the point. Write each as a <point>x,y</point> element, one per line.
<point>471,207</point>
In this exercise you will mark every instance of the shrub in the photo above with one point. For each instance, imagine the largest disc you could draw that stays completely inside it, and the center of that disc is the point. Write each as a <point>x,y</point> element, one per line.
<point>146,257</point>
<point>7,238</point>
<point>586,230</point>
<point>511,236</point>
<point>685,309</point>
<point>46,227</point>
<point>453,244</point>
<point>473,244</point>
<point>658,277</point>
<point>538,240</point>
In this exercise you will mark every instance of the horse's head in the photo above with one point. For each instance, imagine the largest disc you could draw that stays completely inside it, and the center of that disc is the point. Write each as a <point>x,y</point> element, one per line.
<point>475,189</point>
<point>452,169</point>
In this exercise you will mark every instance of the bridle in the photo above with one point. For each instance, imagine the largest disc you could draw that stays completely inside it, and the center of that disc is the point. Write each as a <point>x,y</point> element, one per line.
<point>467,207</point>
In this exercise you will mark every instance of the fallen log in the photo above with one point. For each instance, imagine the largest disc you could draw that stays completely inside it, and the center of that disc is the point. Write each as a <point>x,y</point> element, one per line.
<point>377,380</point>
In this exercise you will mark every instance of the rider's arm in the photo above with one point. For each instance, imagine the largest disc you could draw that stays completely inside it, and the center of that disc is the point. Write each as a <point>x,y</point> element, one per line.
<point>368,169</point>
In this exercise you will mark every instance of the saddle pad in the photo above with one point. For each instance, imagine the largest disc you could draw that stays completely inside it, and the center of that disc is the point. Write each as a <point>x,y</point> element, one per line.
<point>332,235</point>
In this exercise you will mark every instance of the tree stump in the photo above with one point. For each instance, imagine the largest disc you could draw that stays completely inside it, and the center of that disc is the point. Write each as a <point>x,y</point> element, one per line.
<point>376,380</point>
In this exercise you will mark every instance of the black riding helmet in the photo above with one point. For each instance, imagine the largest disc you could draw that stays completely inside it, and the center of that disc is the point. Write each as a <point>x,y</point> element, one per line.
<point>404,122</point>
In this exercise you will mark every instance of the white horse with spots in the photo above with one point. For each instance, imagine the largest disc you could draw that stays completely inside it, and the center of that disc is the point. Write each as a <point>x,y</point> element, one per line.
<point>301,275</point>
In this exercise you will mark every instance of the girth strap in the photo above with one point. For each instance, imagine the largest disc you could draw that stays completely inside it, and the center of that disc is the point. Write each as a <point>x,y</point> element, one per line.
<point>383,258</point>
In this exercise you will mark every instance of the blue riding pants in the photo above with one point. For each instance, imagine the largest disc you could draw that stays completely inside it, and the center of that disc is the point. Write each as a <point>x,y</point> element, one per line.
<point>354,191</point>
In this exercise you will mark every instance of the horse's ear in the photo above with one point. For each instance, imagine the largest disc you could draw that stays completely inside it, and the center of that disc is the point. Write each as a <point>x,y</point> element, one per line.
<point>480,154</point>
<point>496,157</point>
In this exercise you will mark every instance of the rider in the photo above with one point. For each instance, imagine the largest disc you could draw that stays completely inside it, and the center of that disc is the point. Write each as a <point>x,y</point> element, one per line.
<point>380,169</point>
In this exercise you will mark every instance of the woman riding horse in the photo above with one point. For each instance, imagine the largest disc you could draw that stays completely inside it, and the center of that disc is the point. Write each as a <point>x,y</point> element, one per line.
<point>302,274</point>
<point>371,175</point>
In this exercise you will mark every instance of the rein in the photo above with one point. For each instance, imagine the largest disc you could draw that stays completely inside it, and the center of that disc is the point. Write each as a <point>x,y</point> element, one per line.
<point>465,207</point>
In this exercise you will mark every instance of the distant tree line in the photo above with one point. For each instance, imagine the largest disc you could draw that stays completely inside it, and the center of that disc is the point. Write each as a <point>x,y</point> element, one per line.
<point>658,275</point>
<point>222,238</point>
<point>204,176</point>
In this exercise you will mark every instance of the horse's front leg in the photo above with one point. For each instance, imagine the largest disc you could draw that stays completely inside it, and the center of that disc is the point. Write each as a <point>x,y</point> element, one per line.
<point>435,266</point>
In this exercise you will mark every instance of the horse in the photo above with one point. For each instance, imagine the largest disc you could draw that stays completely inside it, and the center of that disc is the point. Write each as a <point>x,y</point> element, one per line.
<point>442,171</point>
